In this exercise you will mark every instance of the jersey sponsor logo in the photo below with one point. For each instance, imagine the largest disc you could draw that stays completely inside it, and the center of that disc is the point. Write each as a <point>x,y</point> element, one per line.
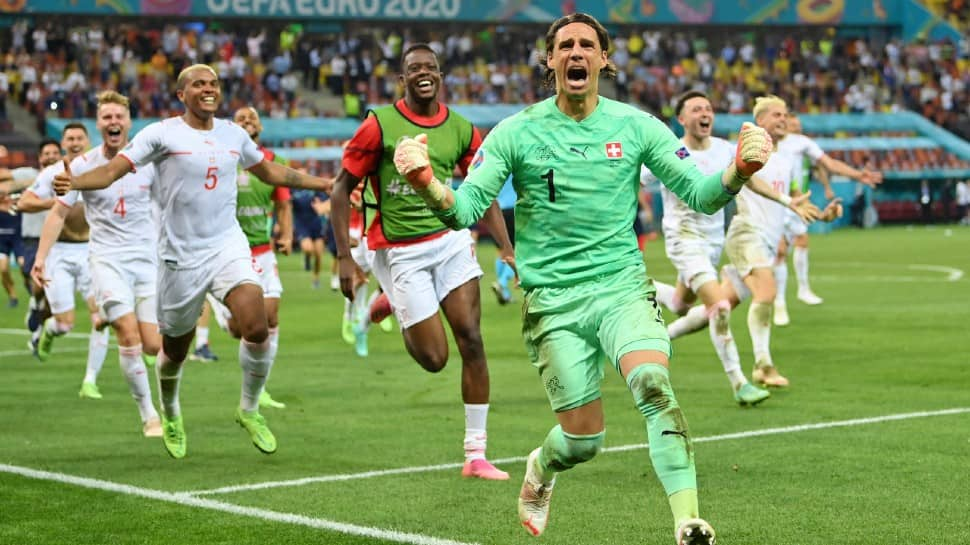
<point>682,153</point>
<point>477,160</point>
<point>579,151</point>
<point>614,150</point>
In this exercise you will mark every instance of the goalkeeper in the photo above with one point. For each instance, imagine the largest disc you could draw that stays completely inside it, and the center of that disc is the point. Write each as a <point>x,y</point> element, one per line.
<point>576,160</point>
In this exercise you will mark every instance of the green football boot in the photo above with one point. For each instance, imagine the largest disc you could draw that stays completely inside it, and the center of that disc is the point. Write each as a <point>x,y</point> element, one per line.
<point>255,424</point>
<point>173,436</point>
<point>266,400</point>
<point>149,360</point>
<point>44,344</point>
<point>89,390</point>
<point>749,394</point>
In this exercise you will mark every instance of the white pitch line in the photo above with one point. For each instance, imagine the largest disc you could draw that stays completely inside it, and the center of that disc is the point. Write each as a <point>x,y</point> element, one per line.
<point>253,512</point>
<point>26,352</point>
<point>25,332</point>
<point>621,448</point>
<point>953,274</point>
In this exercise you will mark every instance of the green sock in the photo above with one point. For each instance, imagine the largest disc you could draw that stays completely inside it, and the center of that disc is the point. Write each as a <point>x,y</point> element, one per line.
<point>671,451</point>
<point>683,505</point>
<point>562,451</point>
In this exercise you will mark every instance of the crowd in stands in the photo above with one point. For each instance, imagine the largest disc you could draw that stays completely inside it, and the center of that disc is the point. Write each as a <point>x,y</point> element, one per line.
<point>56,67</point>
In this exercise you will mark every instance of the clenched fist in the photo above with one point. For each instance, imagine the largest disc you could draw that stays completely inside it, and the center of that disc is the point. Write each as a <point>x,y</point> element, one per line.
<point>411,160</point>
<point>754,148</point>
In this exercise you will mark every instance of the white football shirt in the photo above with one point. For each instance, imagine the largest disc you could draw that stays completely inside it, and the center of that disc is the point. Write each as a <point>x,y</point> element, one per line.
<point>800,147</point>
<point>765,215</point>
<point>196,185</point>
<point>679,220</point>
<point>119,215</point>
<point>43,185</point>
<point>30,223</point>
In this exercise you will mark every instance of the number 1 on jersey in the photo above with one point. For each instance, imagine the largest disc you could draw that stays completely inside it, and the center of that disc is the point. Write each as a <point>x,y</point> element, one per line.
<point>548,177</point>
<point>212,179</point>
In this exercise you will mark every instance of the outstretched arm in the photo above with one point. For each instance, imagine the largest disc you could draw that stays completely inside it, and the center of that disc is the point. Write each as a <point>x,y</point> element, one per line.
<point>29,202</point>
<point>865,176</point>
<point>799,204</point>
<point>276,174</point>
<point>98,178</point>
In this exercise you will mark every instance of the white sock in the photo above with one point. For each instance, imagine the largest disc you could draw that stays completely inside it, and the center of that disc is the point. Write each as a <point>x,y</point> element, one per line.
<point>348,311</point>
<point>274,342</point>
<point>169,375</point>
<point>201,337</point>
<point>781,282</point>
<point>727,350</point>
<point>476,419</point>
<point>667,296</point>
<point>694,320</point>
<point>800,260</point>
<point>97,351</point>
<point>56,328</point>
<point>759,325</point>
<point>361,307</point>
<point>133,368</point>
<point>254,359</point>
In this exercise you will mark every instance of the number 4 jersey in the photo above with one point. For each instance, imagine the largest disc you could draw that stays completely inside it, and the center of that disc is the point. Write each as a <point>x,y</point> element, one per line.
<point>120,215</point>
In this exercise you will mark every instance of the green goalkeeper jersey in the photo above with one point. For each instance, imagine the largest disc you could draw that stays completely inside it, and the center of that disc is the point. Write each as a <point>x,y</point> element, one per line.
<point>577,183</point>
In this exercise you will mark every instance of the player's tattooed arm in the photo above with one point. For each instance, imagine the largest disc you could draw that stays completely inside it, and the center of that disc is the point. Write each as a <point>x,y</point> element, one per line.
<point>277,174</point>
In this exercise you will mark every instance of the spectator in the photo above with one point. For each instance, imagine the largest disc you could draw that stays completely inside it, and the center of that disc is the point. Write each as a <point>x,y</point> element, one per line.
<point>926,202</point>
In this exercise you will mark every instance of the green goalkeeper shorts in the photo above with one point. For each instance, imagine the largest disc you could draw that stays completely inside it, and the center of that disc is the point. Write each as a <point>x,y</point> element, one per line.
<point>569,332</point>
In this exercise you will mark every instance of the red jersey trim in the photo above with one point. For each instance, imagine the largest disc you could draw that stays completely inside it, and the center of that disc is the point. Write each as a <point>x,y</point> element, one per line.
<point>260,249</point>
<point>436,120</point>
<point>130,162</point>
<point>376,239</point>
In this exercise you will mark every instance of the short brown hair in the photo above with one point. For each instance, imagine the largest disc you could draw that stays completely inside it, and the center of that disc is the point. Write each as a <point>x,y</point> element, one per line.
<point>685,97</point>
<point>549,78</point>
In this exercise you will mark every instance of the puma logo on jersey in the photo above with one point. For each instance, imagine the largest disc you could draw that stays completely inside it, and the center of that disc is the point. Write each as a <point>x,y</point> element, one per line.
<point>576,150</point>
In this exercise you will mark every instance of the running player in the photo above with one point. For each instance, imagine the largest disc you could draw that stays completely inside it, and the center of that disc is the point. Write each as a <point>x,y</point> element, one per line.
<point>694,240</point>
<point>806,154</point>
<point>422,265</point>
<point>67,266</point>
<point>586,291</point>
<point>202,248</point>
<point>122,254</point>
<point>751,246</point>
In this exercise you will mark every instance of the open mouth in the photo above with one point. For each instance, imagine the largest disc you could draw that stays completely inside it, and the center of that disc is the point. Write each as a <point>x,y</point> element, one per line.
<point>210,100</point>
<point>114,132</point>
<point>425,85</point>
<point>577,75</point>
<point>705,124</point>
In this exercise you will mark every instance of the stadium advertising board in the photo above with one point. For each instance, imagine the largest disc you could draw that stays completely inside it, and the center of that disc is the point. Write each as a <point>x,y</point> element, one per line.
<point>861,12</point>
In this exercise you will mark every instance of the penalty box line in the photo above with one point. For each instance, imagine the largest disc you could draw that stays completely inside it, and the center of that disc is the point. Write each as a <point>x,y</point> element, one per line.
<point>621,448</point>
<point>213,505</point>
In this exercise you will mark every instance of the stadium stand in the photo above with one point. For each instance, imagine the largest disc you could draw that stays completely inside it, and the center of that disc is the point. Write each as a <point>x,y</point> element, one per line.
<point>301,73</point>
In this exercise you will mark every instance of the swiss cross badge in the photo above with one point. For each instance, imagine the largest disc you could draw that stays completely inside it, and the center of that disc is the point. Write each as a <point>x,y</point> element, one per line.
<point>614,150</point>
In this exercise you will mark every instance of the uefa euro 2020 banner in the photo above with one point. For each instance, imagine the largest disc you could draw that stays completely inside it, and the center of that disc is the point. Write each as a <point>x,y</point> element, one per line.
<point>909,15</point>
<point>863,12</point>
